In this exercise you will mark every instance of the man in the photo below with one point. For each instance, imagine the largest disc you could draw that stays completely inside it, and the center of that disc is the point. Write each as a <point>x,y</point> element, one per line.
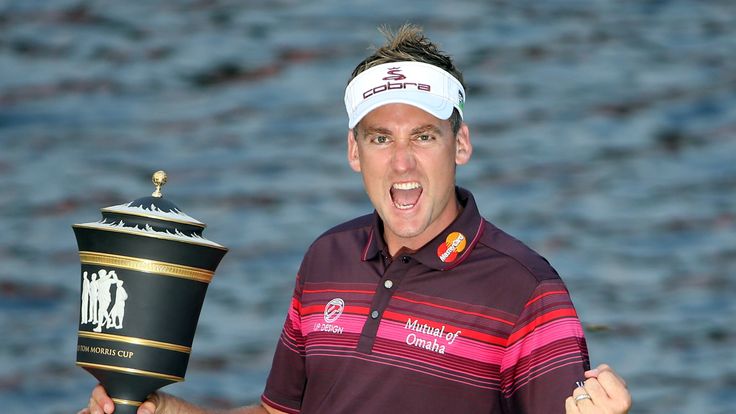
<point>423,306</point>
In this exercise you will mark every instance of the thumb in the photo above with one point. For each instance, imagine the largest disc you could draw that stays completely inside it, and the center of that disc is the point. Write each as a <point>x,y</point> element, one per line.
<point>150,405</point>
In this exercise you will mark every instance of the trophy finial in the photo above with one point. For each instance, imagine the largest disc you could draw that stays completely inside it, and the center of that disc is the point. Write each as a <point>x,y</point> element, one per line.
<point>159,179</point>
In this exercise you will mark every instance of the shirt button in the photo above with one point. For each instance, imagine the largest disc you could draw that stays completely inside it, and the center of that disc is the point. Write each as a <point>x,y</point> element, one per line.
<point>388,284</point>
<point>405,259</point>
<point>374,314</point>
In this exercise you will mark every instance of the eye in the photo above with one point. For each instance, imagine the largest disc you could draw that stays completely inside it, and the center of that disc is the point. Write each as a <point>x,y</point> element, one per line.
<point>424,138</point>
<point>380,139</point>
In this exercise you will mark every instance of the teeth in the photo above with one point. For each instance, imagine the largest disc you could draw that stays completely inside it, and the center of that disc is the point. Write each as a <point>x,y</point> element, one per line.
<point>406,186</point>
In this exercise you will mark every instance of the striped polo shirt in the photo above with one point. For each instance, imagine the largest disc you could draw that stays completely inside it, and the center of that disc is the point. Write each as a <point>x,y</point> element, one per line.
<point>473,322</point>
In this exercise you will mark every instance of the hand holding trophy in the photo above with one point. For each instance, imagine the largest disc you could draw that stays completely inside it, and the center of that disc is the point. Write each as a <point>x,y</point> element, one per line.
<point>145,271</point>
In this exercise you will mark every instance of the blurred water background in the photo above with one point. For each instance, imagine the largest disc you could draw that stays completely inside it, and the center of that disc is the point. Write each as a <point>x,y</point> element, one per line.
<point>604,135</point>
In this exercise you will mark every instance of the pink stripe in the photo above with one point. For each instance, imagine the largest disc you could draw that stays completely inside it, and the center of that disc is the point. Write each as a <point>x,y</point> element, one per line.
<point>331,344</point>
<point>565,296</point>
<point>295,320</point>
<point>550,351</point>
<point>461,367</point>
<point>553,353</point>
<point>291,336</point>
<point>328,339</point>
<point>546,370</point>
<point>291,344</point>
<point>489,385</point>
<point>480,352</point>
<point>541,336</point>
<point>292,333</point>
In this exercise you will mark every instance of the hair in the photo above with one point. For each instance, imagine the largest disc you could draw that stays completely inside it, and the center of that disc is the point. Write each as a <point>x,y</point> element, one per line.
<point>410,44</point>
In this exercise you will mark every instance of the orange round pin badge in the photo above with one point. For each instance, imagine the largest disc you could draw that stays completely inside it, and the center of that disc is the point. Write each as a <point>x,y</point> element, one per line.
<point>453,245</point>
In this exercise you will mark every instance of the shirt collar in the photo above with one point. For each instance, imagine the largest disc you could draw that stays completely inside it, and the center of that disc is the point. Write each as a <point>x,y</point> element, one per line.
<point>450,248</point>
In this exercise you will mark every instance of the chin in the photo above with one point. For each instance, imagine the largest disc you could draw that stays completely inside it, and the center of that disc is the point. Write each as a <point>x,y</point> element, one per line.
<point>404,231</point>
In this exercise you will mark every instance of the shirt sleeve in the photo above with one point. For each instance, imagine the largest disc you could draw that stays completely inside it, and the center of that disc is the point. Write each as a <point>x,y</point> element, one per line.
<point>287,379</point>
<point>545,354</point>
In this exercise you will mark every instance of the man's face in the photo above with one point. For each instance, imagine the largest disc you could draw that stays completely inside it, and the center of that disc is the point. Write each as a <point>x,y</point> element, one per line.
<point>407,158</point>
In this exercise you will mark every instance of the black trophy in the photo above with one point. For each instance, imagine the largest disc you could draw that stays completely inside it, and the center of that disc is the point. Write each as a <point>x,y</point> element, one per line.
<point>145,272</point>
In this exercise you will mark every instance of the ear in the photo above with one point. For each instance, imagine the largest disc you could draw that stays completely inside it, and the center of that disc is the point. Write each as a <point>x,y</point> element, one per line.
<point>464,149</point>
<point>353,156</point>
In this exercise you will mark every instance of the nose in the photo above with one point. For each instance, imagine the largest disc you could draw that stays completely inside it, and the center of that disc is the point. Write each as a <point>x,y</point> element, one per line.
<point>402,159</point>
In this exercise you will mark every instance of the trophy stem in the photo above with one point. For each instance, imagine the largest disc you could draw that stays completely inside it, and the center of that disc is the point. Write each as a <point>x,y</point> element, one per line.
<point>125,406</point>
<point>127,391</point>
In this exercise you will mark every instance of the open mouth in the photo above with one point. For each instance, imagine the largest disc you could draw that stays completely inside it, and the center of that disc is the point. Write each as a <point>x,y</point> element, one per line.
<point>405,195</point>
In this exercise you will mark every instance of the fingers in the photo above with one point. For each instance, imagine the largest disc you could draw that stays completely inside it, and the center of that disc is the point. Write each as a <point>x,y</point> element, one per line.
<point>579,402</point>
<point>603,392</point>
<point>570,406</point>
<point>594,373</point>
<point>608,394</point>
<point>595,390</point>
<point>147,407</point>
<point>615,388</point>
<point>606,371</point>
<point>582,398</point>
<point>100,402</point>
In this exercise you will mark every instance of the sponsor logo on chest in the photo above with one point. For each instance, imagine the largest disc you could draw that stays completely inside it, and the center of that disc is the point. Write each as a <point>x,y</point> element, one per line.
<point>332,313</point>
<point>427,337</point>
<point>453,245</point>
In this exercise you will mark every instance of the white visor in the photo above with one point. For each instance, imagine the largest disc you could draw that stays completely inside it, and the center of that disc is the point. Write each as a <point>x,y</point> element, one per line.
<point>414,83</point>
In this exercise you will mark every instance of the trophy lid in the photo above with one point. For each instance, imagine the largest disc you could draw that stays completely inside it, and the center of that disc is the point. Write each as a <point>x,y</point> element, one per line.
<point>153,216</point>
